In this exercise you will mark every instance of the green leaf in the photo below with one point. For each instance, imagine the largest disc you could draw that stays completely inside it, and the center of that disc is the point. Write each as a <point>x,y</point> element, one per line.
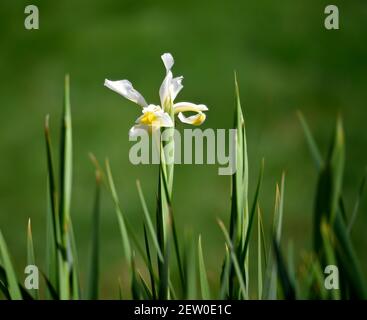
<point>357,203</point>
<point>316,155</point>
<point>291,268</point>
<point>271,272</point>
<point>136,288</point>
<point>11,277</point>
<point>278,215</point>
<point>224,276</point>
<point>66,158</point>
<point>149,220</point>
<point>190,271</point>
<point>165,229</point>
<point>351,268</point>
<point>177,251</point>
<point>53,223</point>
<point>236,265</point>
<point>120,216</point>
<point>51,289</point>
<point>72,254</point>
<point>150,264</point>
<point>4,287</point>
<point>204,285</point>
<point>328,242</point>
<point>92,293</point>
<point>239,194</point>
<point>146,292</point>
<point>163,288</point>
<point>285,281</point>
<point>120,290</point>
<point>65,196</point>
<point>240,177</point>
<point>252,214</point>
<point>30,254</point>
<point>337,159</point>
<point>261,252</point>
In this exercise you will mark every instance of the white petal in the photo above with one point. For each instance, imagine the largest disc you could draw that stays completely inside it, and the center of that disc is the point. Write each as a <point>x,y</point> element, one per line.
<point>162,119</point>
<point>138,130</point>
<point>195,120</point>
<point>176,87</point>
<point>152,108</point>
<point>188,106</point>
<point>164,90</point>
<point>165,120</point>
<point>126,89</point>
<point>168,61</point>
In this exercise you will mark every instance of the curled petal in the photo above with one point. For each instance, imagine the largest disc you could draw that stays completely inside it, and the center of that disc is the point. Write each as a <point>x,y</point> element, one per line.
<point>188,106</point>
<point>168,61</point>
<point>195,120</point>
<point>126,89</point>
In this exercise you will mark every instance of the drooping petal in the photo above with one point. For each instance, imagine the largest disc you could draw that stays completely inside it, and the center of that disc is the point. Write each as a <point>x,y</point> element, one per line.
<point>188,106</point>
<point>126,89</point>
<point>195,120</point>
<point>168,61</point>
<point>136,130</point>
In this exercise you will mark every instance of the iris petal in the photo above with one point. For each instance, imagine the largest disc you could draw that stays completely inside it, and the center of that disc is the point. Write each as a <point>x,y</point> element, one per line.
<point>126,89</point>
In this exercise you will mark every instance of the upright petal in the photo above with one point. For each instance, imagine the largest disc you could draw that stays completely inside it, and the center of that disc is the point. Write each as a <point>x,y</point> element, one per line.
<point>165,120</point>
<point>168,61</point>
<point>126,89</point>
<point>164,90</point>
<point>176,86</point>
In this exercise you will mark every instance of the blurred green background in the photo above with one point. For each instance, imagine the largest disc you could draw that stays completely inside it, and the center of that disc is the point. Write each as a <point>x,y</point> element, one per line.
<point>285,59</point>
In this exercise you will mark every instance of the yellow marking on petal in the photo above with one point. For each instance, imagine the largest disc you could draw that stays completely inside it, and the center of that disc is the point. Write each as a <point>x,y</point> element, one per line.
<point>199,119</point>
<point>148,118</point>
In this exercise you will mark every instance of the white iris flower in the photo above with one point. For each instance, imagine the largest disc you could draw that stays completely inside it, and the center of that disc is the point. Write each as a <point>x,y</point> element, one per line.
<point>155,116</point>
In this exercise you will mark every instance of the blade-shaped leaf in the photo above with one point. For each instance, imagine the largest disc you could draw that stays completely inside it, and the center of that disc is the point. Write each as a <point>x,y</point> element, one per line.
<point>315,152</point>
<point>92,293</point>
<point>11,277</point>
<point>285,281</point>
<point>53,223</point>
<point>357,203</point>
<point>120,216</point>
<point>271,272</point>
<point>204,285</point>
<point>150,265</point>
<point>148,220</point>
<point>30,255</point>
<point>234,260</point>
